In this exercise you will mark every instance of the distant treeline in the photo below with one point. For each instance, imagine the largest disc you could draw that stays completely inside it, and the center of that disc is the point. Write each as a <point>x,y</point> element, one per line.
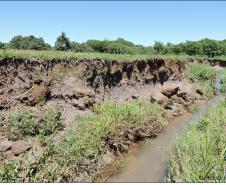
<point>204,47</point>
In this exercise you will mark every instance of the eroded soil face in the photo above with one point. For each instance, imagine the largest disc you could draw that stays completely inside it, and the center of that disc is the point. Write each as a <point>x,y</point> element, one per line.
<point>75,86</point>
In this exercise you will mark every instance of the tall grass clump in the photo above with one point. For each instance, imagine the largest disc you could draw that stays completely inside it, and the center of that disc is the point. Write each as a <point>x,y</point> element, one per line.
<point>204,77</point>
<point>78,154</point>
<point>199,154</point>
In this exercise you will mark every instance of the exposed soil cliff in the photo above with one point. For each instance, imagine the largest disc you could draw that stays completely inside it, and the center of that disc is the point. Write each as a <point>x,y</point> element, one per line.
<point>72,80</point>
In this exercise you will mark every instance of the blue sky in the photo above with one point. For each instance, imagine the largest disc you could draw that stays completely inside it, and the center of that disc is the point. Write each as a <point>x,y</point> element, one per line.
<point>139,22</point>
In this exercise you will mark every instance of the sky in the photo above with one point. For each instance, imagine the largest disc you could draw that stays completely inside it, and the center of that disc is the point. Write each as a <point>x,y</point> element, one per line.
<point>139,22</point>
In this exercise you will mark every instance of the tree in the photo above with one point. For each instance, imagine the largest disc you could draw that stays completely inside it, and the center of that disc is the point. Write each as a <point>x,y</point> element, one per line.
<point>97,45</point>
<point>113,47</point>
<point>2,45</point>
<point>62,42</point>
<point>211,48</point>
<point>83,47</point>
<point>158,47</point>
<point>192,48</point>
<point>28,42</point>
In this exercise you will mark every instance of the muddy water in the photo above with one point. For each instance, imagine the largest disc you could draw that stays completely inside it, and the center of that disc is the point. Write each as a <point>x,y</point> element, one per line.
<point>148,162</point>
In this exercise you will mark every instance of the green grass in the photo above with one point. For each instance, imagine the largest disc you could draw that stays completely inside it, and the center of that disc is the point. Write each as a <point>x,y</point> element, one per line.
<point>50,54</point>
<point>77,156</point>
<point>9,171</point>
<point>24,123</point>
<point>199,154</point>
<point>203,76</point>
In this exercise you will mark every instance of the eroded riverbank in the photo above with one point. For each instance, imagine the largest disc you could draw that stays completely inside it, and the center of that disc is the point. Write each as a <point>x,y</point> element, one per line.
<point>98,107</point>
<point>148,162</point>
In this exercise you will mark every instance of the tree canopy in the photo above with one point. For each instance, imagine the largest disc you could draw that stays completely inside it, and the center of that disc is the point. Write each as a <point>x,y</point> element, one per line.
<point>28,42</point>
<point>62,42</point>
<point>204,47</point>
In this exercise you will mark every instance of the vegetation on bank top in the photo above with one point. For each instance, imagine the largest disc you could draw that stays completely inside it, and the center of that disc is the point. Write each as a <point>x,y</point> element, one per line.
<point>52,54</point>
<point>199,154</point>
<point>205,47</point>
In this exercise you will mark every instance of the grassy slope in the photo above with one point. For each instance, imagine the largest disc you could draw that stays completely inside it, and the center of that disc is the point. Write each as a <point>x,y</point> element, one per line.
<point>199,153</point>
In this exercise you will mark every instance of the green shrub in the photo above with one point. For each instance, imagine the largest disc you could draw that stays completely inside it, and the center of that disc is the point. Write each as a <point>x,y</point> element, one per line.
<point>199,153</point>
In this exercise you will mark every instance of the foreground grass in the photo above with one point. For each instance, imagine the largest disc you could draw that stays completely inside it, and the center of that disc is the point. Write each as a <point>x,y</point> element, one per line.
<point>51,54</point>
<point>199,154</point>
<point>204,76</point>
<point>79,153</point>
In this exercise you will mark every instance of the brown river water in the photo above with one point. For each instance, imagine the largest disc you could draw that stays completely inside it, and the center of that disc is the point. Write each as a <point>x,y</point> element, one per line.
<point>148,163</point>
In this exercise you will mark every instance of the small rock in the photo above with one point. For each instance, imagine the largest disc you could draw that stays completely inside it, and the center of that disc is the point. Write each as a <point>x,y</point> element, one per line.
<point>169,90</point>
<point>135,96</point>
<point>178,100</point>
<point>158,97</point>
<point>199,91</point>
<point>169,106</point>
<point>184,95</point>
<point>87,101</point>
<point>35,95</point>
<point>20,147</point>
<point>5,145</point>
<point>83,92</point>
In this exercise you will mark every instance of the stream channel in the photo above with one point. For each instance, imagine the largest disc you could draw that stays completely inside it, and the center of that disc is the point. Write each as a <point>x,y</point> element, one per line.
<point>148,163</point>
